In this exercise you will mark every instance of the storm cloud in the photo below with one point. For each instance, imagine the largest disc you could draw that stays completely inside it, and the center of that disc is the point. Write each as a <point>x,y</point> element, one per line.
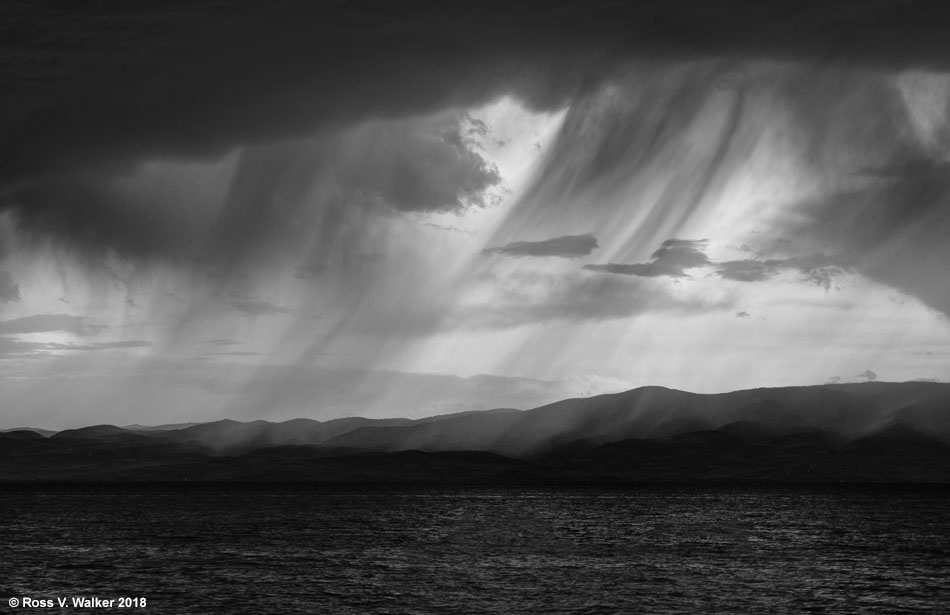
<point>672,258</point>
<point>92,91</point>
<point>222,75</point>
<point>455,187</point>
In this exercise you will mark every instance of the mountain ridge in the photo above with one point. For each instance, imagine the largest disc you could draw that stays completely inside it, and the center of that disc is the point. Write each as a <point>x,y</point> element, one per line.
<point>858,432</point>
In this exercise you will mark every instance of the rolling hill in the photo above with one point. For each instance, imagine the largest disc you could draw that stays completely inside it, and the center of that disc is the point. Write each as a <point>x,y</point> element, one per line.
<point>871,432</point>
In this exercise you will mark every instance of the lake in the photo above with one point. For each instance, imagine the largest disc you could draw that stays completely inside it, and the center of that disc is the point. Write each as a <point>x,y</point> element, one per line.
<point>479,549</point>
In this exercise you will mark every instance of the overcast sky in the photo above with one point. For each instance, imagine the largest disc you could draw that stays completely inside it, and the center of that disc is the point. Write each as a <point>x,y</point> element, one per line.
<point>323,209</point>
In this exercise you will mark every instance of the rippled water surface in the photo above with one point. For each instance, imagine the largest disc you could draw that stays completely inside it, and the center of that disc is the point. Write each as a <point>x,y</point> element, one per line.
<point>241,549</point>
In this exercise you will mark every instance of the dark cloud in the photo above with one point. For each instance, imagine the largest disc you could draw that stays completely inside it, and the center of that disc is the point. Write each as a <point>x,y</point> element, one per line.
<point>418,168</point>
<point>171,79</point>
<point>685,253</point>
<point>256,307</point>
<point>87,212</point>
<point>748,270</point>
<point>567,246</point>
<point>91,91</point>
<point>9,289</point>
<point>742,314</point>
<point>672,259</point>
<point>867,375</point>
<point>319,196</point>
<point>647,270</point>
<point>40,323</point>
<point>818,268</point>
<point>198,80</point>
<point>109,88</point>
<point>277,197</point>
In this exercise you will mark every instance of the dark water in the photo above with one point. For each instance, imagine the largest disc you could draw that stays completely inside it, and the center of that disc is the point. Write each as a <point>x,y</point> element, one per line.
<point>218,549</point>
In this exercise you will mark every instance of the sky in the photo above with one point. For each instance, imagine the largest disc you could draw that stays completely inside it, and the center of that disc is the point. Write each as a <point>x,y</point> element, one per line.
<point>225,209</point>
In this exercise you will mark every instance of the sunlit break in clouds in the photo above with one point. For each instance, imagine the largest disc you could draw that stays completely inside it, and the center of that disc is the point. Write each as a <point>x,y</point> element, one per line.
<point>324,210</point>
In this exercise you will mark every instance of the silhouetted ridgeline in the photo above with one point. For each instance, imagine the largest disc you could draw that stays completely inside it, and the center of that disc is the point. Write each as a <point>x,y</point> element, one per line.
<point>872,432</point>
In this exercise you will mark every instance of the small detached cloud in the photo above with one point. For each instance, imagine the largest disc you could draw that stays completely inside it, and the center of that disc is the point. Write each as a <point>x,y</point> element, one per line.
<point>256,307</point>
<point>566,246</point>
<point>672,259</point>
<point>868,375</point>
<point>9,289</point>
<point>747,270</point>
<point>819,269</point>
<point>742,314</point>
